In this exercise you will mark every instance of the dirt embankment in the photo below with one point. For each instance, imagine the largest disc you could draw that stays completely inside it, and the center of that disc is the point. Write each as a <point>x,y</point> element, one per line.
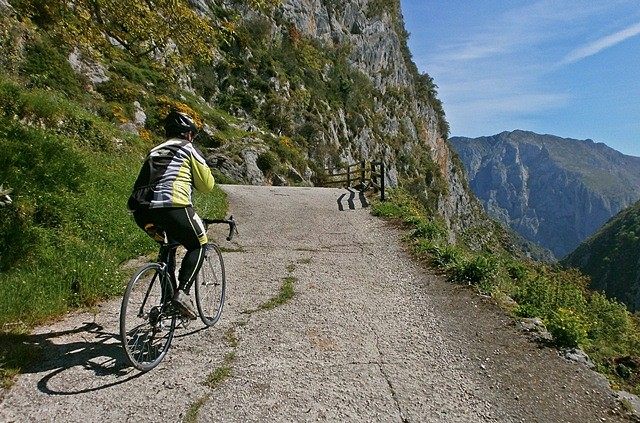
<point>369,336</point>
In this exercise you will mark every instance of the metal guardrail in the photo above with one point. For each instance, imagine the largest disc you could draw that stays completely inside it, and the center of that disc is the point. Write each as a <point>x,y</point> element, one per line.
<point>361,176</point>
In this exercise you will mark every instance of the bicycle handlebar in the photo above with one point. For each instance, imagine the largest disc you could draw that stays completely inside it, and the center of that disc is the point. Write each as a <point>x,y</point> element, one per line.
<point>233,228</point>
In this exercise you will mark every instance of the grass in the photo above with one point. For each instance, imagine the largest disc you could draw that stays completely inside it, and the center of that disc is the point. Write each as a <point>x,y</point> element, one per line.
<point>215,378</point>
<point>285,293</point>
<point>194,409</point>
<point>67,233</point>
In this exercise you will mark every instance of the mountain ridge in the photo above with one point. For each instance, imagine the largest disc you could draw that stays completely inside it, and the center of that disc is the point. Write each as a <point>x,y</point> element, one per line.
<point>553,191</point>
<point>610,257</point>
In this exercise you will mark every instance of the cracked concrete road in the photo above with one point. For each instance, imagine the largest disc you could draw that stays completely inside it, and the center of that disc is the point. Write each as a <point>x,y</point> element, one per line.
<point>369,336</point>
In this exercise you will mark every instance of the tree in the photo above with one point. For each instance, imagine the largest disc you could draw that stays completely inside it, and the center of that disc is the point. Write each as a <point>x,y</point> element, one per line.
<point>166,28</point>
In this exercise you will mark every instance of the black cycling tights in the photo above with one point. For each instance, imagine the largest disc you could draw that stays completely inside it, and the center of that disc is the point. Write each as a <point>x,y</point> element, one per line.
<point>183,225</point>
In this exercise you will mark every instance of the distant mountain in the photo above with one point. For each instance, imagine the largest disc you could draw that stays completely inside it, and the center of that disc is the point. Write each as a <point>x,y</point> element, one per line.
<point>553,191</point>
<point>611,257</point>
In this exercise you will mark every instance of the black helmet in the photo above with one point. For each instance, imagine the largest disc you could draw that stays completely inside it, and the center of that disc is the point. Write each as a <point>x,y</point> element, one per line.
<point>179,125</point>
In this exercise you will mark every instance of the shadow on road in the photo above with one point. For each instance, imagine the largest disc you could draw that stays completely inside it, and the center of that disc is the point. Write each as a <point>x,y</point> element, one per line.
<point>99,353</point>
<point>351,204</point>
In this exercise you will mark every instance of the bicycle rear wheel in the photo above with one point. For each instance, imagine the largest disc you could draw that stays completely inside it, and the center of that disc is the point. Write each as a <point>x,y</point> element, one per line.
<point>211,286</point>
<point>147,319</point>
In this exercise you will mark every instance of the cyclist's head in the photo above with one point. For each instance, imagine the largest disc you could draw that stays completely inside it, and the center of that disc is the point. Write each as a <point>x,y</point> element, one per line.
<point>179,125</point>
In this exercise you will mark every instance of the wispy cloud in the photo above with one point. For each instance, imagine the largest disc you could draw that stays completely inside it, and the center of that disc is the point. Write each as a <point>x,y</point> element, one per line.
<point>503,65</point>
<point>597,46</point>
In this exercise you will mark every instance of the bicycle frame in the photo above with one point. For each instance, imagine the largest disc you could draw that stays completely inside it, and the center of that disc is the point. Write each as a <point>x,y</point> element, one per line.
<point>168,283</point>
<point>148,315</point>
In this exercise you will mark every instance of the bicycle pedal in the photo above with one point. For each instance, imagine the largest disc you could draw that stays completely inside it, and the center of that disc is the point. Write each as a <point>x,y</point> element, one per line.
<point>184,321</point>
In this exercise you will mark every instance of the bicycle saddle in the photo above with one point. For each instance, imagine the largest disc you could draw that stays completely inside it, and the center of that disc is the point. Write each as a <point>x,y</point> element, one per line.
<point>156,232</point>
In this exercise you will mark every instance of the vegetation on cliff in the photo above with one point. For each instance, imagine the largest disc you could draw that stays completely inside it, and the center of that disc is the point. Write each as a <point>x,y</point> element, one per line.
<point>610,256</point>
<point>76,76</point>
<point>83,89</point>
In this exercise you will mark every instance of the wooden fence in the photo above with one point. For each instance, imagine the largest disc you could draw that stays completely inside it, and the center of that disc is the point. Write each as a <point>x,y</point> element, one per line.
<point>361,176</point>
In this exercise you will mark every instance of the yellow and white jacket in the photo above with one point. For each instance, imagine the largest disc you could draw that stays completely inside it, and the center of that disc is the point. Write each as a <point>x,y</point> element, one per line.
<point>168,175</point>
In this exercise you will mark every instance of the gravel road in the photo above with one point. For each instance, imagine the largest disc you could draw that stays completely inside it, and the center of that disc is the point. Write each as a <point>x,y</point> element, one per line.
<point>369,336</point>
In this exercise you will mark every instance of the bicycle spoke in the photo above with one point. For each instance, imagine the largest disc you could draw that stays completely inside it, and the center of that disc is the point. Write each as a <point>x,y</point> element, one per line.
<point>145,326</point>
<point>147,316</point>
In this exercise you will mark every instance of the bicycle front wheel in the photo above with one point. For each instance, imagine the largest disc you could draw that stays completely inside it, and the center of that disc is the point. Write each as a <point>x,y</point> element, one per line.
<point>211,286</point>
<point>147,319</point>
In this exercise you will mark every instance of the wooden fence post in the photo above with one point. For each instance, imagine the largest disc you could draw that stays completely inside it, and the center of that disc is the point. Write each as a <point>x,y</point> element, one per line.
<point>382,180</point>
<point>374,175</point>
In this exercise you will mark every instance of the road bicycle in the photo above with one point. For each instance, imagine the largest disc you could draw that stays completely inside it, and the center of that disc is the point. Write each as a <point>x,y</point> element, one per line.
<point>148,317</point>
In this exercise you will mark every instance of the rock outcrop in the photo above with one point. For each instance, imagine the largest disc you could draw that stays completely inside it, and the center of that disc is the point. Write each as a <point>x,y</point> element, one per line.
<point>407,125</point>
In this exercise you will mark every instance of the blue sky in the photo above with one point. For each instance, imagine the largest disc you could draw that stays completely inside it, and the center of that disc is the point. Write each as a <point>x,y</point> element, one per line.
<point>568,68</point>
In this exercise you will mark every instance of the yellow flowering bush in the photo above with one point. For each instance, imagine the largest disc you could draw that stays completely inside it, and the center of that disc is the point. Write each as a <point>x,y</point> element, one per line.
<point>568,327</point>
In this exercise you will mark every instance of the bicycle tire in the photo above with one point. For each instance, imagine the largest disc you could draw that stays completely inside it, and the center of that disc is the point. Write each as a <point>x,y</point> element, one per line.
<point>211,286</point>
<point>147,319</point>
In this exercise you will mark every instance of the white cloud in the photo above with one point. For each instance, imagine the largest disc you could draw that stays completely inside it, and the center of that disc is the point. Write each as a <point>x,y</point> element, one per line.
<point>601,44</point>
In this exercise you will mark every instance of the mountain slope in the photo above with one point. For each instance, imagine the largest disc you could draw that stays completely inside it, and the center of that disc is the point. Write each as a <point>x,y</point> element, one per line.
<point>553,191</point>
<point>283,89</point>
<point>611,257</point>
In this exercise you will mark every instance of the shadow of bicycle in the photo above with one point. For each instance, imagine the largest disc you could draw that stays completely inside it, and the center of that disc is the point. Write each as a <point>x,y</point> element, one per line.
<point>97,360</point>
<point>90,357</point>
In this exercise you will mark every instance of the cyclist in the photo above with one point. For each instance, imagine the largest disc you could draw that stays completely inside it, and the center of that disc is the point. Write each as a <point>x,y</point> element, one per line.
<point>162,196</point>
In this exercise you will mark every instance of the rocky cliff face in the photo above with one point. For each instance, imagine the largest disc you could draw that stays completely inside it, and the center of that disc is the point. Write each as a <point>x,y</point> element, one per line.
<point>376,39</point>
<point>553,191</point>
<point>303,85</point>
<point>398,124</point>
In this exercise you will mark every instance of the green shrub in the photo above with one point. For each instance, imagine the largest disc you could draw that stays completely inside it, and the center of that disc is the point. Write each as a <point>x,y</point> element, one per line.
<point>527,310</point>
<point>119,90</point>
<point>46,175</point>
<point>479,270</point>
<point>267,162</point>
<point>46,67</point>
<point>386,209</point>
<point>286,151</point>
<point>10,98</point>
<point>65,119</point>
<point>612,326</point>
<point>534,296</point>
<point>431,230</point>
<point>517,271</point>
<point>441,255</point>
<point>142,73</point>
<point>568,327</point>
<point>220,123</point>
